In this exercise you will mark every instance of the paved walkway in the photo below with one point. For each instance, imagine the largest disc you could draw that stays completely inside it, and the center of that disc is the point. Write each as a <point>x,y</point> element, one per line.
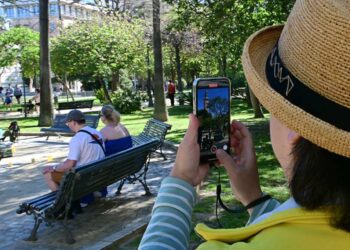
<point>101,224</point>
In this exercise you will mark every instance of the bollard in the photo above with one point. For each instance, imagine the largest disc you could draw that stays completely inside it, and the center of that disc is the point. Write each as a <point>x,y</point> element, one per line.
<point>33,160</point>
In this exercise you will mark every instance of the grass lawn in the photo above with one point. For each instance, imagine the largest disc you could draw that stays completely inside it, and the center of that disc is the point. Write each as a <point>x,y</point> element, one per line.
<point>271,176</point>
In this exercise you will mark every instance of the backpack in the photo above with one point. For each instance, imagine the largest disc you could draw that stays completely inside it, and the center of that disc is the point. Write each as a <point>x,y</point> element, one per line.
<point>14,131</point>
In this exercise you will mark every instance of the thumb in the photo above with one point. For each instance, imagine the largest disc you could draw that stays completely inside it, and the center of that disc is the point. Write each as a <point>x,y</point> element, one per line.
<point>192,130</point>
<point>226,160</point>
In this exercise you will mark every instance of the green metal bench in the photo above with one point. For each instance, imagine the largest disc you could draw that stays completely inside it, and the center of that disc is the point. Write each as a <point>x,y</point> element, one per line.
<point>59,127</point>
<point>131,163</point>
<point>75,104</point>
<point>153,129</point>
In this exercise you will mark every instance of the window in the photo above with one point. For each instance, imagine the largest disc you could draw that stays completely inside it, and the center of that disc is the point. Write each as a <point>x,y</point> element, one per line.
<point>10,12</point>
<point>63,9</point>
<point>53,9</point>
<point>23,11</point>
<point>70,11</point>
<point>36,10</point>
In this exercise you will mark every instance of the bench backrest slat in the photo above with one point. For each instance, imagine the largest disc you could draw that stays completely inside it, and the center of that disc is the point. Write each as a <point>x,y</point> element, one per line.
<point>60,121</point>
<point>99,174</point>
<point>75,104</point>
<point>155,129</point>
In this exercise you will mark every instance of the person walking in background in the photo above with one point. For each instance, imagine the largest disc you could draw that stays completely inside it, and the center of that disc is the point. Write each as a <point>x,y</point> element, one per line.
<point>293,69</point>
<point>36,99</point>
<point>18,94</point>
<point>171,92</point>
<point>8,99</point>
<point>2,95</point>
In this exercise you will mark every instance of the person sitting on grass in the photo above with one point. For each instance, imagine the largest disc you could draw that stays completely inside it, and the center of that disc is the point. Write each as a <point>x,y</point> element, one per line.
<point>300,73</point>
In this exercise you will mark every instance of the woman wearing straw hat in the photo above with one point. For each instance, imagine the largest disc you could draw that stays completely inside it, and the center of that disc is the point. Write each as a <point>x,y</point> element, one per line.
<point>301,73</point>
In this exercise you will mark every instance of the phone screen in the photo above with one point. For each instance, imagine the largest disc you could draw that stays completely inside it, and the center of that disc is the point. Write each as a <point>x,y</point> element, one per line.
<point>213,112</point>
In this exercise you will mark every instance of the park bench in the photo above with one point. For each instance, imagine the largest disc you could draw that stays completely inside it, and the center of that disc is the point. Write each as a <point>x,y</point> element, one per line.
<point>131,163</point>
<point>153,129</point>
<point>59,125</point>
<point>75,104</point>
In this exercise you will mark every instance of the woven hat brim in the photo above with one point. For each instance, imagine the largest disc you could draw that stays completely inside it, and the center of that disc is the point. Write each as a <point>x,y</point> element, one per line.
<point>255,53</point>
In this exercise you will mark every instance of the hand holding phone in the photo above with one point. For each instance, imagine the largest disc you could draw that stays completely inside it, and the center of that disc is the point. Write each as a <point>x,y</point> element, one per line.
<point>211,104</point>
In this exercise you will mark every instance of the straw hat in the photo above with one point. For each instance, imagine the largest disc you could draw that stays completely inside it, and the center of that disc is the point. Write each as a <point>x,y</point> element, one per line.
<point>300,72</point>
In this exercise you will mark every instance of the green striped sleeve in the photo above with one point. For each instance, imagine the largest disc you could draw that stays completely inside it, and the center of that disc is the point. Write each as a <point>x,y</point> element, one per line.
<point>263,208</point>
<point>170,225</point>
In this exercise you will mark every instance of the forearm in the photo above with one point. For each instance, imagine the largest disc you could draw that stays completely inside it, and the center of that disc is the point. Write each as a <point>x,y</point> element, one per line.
<point>170,224</point>
<point>65,166</point>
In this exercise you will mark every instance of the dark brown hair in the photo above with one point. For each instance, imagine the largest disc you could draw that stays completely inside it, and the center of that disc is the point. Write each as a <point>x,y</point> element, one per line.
<point>321,181</point>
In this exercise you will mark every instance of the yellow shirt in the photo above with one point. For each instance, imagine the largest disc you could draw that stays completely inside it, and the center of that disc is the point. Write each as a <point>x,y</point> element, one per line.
<point>293,229</point>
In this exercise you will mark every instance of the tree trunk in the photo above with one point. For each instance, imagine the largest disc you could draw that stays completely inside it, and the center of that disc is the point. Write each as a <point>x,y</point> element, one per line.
<point>160,111</point>
<point>178,68</point>
<point>66,87</point>
<point>256,105</point>
<point>31,80</point>
<point>46,105</point>
<point>115,80</point>
<point>105,90</point>
<point>149,86</point>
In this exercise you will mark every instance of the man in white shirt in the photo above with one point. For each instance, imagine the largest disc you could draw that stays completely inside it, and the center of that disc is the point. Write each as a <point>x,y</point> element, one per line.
<point>83,148</point>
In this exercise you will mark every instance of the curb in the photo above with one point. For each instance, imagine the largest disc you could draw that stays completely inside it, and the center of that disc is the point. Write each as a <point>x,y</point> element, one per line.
<point>128,236</point>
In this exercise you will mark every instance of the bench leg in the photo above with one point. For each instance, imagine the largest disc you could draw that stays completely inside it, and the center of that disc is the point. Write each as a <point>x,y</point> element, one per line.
<point>144,184</point>
<point>32,236</point>
<point>121,184</point>
<point>144,181</point>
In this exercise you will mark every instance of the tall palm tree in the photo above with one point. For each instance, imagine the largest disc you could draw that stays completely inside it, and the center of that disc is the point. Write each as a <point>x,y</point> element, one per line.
<point>46,107</point>
<point>160,111</point>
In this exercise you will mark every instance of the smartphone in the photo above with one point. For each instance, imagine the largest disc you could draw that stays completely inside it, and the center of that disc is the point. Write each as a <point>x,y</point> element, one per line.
<point>211,104</point>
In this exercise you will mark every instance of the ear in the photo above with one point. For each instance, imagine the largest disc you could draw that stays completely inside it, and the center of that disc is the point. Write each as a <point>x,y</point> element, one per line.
<point>293,137</point>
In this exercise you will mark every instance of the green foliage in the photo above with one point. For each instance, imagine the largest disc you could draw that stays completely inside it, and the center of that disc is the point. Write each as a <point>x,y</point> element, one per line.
<point>100,95</point>
<point>126,101</point>
<point>20,44</point>
<point>225,25</point>
<point>185,98</point>
<point>99,47</point>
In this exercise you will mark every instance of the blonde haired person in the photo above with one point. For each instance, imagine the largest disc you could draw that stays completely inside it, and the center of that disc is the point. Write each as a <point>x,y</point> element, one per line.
<point>300,72</point>
<point>116,136</point>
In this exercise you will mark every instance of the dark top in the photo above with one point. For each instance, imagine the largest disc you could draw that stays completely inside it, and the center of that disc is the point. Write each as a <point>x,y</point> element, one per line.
<point>117,145</point>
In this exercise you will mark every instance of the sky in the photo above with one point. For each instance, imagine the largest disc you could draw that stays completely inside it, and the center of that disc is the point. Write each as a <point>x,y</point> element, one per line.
<point>212,93</point>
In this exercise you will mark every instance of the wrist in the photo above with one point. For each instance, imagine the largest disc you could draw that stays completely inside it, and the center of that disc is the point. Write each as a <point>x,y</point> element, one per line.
<point>180,176</point>
<point>258,201</point>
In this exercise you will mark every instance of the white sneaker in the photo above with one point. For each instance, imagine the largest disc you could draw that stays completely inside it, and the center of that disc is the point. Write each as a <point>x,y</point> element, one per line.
<point>83,205</point>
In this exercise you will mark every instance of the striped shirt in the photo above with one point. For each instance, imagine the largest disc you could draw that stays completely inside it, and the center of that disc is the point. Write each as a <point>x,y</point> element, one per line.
<point>170,225</point>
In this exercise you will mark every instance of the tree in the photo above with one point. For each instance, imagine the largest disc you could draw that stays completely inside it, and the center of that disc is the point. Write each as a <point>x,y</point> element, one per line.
<point>160,111</point>
<point>21,45</point>
<point>100,48</point>
<point>46,106</point>
<point>226,24</point>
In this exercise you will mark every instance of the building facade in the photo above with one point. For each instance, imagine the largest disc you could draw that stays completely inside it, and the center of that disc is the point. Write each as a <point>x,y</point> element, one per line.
<point>62,13</point>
